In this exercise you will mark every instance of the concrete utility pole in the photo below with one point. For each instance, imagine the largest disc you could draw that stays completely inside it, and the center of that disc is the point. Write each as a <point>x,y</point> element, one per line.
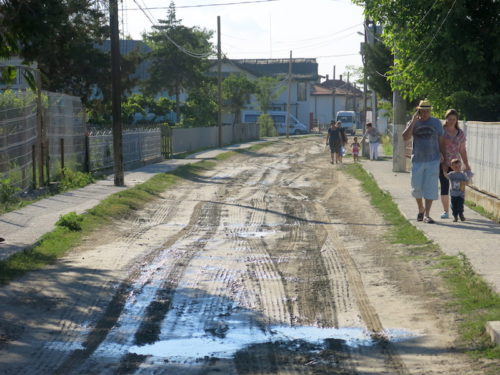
<point>116,93</point>
<point>398,124</point>
<point>289,94</point>
<point>219,83</point>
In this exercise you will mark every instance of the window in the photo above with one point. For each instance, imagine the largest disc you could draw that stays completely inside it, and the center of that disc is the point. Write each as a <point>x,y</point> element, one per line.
<point>251,118</point>
<point>302,91</point>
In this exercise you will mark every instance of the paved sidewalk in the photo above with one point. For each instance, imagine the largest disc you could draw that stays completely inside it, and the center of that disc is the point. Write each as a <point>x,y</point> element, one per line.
<point>478,237</point>
<point>23,228</point>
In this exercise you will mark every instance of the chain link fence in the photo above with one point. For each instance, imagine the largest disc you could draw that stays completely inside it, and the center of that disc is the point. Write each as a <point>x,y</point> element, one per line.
<point>18,122</point>
<point>67,142</point>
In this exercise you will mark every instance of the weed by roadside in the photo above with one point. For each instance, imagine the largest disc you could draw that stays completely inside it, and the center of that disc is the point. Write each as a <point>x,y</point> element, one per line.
<point>473,299</point>
<point>386,144</point>
<point>55,244</point>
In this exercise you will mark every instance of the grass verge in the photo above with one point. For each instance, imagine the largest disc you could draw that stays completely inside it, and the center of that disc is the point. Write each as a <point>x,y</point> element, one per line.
<point>482,211</point>
<point>473,300</point>
<point>56,243</point>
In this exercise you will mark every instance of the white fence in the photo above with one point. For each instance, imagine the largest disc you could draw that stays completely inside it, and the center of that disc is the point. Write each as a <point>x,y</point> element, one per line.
<point>191,139</point>
<point>483,151</point>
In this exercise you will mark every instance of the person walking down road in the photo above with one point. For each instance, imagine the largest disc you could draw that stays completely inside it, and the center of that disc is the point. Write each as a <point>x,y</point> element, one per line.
<point>373,138</point>
<point>458,180</point>
<point>426,157</point>
<point>454,148</point>
<point>355,146</point>
<point>336,139</point>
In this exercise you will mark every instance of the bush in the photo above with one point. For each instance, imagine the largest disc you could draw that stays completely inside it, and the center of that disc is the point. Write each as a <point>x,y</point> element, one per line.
<point>8,192</point>
<point>74,179</point>
<point>266,126</point>
<point>71,220</point>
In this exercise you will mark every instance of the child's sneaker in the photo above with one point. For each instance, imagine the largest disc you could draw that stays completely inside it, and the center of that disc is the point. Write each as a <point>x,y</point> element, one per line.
<point>445,215</point>
<point>455,218</point>
<point>462,217</point>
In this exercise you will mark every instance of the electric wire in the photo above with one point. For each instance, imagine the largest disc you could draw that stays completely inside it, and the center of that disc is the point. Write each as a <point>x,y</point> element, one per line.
<point>181,48</point>
<point>207,5</point>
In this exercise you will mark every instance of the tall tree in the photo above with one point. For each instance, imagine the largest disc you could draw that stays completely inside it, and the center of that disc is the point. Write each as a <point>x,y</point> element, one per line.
<point>267,89</point>
<point>179,59</point>
<point>60,36</point>
<point>442,48</point>
<point>236,91</point>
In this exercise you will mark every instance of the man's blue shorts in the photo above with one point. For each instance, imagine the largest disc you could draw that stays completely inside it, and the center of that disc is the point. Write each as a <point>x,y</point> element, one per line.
<point>424,179</point>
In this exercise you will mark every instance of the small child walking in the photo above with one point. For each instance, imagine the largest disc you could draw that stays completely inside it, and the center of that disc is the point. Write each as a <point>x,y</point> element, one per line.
<point>355,149</point>
<point>458,181</point>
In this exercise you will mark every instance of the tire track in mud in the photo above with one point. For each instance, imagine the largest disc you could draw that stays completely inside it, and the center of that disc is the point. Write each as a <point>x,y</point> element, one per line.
<point>335,248</point>
<point>268,268</point>
<point>116,307</point>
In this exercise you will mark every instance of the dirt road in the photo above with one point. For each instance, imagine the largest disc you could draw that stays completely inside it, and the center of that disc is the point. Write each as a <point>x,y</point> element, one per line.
<point>272,263</point>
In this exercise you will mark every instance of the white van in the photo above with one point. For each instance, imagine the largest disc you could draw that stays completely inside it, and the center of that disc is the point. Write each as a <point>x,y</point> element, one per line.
<point>348,120</point>
<point>279,118</point>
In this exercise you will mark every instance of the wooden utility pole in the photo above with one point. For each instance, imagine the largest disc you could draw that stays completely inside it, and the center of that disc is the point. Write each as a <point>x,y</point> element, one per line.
<point>219,84</point>
<point>333,95</point>
<point>287,122</point>
<point>116,93</point>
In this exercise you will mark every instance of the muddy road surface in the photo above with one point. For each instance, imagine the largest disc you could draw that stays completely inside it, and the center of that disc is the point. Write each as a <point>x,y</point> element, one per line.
<point>273,262</point>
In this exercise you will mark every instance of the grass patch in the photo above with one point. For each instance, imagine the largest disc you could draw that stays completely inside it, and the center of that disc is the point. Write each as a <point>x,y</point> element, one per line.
<point>482,211</point>
<point>56,243</point>
<point>473,300</point>
<point>386,144</point>
<point>476,303</point>
<point>73,228</point>
<point>400,231</point>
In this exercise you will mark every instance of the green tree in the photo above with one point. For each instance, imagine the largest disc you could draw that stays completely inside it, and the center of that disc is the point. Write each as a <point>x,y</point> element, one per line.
<point>442,48</point>
<point>179,57</point>
<point>200,108</point>
<point>267,89</point>
<point>60,36</point>
<point>236,91</point>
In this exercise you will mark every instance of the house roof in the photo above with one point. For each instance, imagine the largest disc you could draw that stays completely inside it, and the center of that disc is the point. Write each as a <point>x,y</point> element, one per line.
<point>341,88</point>
<point>302,68</point>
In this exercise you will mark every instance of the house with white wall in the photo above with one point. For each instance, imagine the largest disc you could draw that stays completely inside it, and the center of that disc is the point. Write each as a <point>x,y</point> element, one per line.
<point>304,76</point>
<point>331,96</point>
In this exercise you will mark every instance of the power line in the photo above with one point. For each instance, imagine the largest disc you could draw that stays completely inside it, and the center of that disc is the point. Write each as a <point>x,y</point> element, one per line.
<point>181,48</point>
<point>208,5</point>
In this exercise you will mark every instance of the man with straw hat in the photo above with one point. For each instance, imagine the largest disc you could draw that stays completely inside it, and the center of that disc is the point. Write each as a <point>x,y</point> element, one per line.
<point>426,157</point>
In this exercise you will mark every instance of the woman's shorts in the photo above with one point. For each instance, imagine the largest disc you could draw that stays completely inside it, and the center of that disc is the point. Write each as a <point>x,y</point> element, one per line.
<point>424,179</point>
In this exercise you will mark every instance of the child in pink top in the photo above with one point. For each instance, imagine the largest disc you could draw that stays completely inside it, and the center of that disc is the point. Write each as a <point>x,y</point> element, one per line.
<point>355,149</point>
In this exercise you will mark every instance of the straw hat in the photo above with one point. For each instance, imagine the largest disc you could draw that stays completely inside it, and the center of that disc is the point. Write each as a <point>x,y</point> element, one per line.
<point>424,104</point>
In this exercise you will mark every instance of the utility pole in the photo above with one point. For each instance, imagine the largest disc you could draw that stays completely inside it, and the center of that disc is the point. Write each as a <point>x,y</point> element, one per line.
<point>333,95</point>
<point>398,126</point>
<point>289,94</point>
<point>116,93</point>
<point>219,83</point>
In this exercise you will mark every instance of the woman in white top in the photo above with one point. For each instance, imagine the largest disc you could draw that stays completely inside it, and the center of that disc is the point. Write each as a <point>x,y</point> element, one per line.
<point>373,138</point>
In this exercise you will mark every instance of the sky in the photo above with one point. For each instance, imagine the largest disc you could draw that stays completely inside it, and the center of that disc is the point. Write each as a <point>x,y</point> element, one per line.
<point>328,30</point>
